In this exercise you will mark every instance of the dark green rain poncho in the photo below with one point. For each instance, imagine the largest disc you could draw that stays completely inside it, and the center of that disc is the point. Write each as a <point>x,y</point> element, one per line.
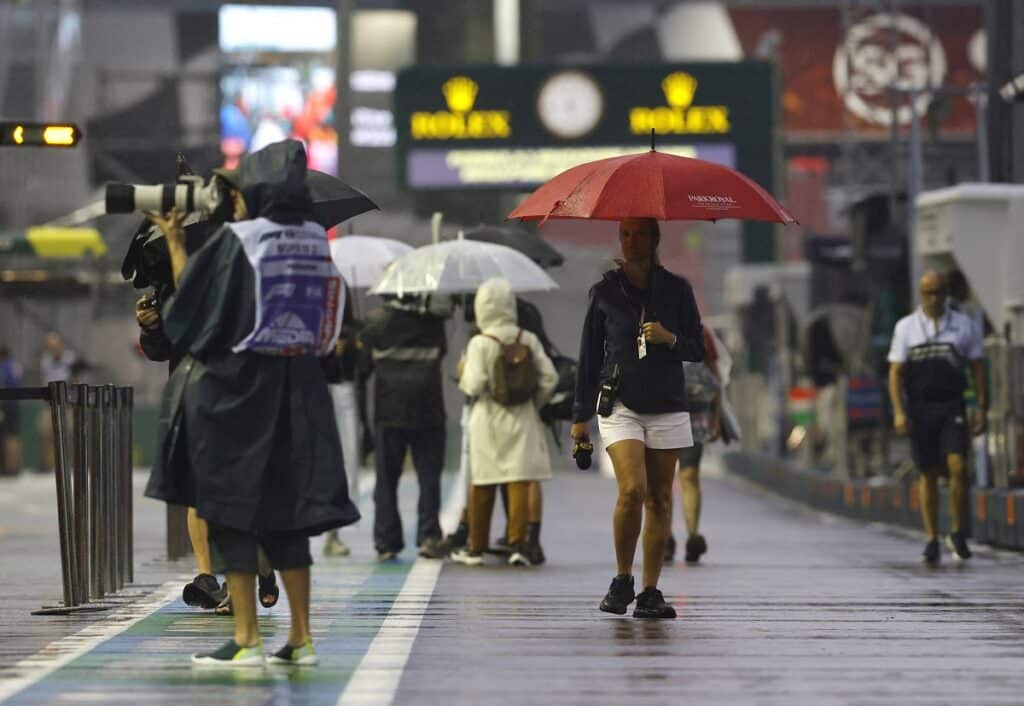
<point>249,440</point>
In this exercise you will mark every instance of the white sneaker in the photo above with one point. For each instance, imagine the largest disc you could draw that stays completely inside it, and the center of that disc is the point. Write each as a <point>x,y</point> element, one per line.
<point>464,556</point>
<point>302,656</point>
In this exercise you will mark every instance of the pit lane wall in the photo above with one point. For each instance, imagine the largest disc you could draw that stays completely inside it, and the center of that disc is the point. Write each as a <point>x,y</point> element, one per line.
<point>996,516</point>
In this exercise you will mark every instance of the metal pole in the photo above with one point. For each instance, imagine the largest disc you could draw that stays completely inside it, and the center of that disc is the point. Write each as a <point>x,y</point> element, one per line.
<point>128,409</point>
<point>343,12</point>
<point>979,97</point>
<point>96,575</point>
<point>110,471</point>
<point>81,485</point>
<point>913,189</point>
<point>58,393</point>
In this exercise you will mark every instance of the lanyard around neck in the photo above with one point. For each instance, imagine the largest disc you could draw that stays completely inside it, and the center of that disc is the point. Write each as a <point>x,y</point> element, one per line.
<point>924,320</point>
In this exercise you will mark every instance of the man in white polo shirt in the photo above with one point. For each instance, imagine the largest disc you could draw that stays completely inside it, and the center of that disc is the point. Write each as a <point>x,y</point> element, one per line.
<point>927,378</point>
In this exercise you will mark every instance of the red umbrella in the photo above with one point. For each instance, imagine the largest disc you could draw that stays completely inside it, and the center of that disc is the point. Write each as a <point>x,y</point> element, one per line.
<point>651,185</point>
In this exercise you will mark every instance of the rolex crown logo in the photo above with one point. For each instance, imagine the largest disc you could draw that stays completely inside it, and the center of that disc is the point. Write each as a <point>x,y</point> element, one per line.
<point>460,93</point>
<point>679,88</point>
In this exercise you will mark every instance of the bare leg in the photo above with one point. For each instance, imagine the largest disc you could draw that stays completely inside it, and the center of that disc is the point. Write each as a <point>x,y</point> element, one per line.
<point>661,468</point>
<point>689,478</point>
<point>296,585</point>
<point>957,490</point>
<point>199,534</point>
<point>630,472</point>
<point>243,600</point>
<point>928,489</point>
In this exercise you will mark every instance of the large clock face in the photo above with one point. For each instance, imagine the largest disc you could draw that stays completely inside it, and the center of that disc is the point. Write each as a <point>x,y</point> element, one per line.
<point>570,104</point>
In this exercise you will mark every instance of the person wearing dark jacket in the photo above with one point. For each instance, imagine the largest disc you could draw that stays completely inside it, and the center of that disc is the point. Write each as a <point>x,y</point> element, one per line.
<point>641,324</point>
<point>203,591</point>
<point>246,424</point>
<point>403,346</point>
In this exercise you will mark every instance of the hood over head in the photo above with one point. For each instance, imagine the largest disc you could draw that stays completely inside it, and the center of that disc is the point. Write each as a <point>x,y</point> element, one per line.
<point>495,304</point>
<point>273,182</point>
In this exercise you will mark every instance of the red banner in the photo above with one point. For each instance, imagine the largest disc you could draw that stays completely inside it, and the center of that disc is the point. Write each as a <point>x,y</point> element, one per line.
<point>827,73</point>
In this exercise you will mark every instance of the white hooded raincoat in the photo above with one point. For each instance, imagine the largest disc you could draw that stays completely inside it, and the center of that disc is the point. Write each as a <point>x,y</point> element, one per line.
<point>506,444</point>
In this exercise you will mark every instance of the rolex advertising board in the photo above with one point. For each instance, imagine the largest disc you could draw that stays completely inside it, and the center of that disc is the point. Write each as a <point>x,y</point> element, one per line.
<point>513,128</point>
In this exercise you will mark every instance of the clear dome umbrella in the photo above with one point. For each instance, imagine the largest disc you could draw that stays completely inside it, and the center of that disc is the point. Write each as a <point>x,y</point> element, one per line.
<point>362,259</point>
<point>460,267</point>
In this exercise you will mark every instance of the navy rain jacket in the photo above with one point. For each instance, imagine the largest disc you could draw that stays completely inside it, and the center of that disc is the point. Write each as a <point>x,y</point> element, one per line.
<point>654,385</point>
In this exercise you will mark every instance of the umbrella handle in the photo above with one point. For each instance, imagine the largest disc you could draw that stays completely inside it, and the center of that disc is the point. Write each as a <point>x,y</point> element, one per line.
<point>652,139</point>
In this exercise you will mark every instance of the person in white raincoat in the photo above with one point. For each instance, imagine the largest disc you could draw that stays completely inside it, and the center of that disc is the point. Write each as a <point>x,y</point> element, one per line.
<point>507,444</point>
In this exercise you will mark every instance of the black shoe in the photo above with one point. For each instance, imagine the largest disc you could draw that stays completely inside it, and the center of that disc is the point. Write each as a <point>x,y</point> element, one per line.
<point>958,545</point>
<point>620,595</point>
<point>533,548</point>
<point>670,550</point>
<point>931,553</point>
<point>651,604</point>
<point>459,538</point>
<point>695,547</point>
<point>434,548</point>
<point>204,591</point>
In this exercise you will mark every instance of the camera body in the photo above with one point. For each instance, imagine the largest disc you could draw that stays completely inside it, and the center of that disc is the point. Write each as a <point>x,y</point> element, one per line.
<point>189,195</point>
<point>608,393</point>
<point>582,453</point>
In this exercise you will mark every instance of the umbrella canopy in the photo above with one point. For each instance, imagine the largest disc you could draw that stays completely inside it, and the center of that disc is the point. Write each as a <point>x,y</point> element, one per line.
<point>361,259</point>
<point>526,242</point>
<point>651,185</point>
<point>460,267</point>
<point>334,201</point>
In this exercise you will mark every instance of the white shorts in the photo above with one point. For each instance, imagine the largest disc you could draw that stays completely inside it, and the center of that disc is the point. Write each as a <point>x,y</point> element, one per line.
<point>657,431</point>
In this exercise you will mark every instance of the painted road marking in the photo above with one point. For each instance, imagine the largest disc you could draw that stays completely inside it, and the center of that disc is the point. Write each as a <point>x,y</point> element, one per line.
<point>59,653</point>
<point>378,675</point>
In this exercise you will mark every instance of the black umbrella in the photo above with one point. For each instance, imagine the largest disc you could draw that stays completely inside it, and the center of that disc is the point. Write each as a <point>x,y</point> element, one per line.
<point>526,242</point>
<point>334,201</point>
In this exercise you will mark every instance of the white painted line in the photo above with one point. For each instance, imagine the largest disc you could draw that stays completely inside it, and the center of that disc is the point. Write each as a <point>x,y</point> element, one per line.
<point>376,679</point>
<point>60,652</point>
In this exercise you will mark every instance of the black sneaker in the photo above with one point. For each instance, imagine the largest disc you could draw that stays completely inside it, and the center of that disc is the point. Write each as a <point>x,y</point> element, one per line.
<point>695,547</point>
<point>670,550</point>
<point>958,545</point>
<point>651,604</point>
<point>204,591</point>
<point>620,595</point>
<point>931,553</point>
<point>434,548</point>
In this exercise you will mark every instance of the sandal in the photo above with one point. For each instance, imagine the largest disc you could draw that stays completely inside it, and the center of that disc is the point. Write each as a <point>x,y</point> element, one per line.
<point>225,607</point>
<point>268,590</point>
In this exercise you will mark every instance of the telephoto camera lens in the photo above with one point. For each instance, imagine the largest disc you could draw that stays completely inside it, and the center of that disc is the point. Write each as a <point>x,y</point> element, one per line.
<point>582,453</point>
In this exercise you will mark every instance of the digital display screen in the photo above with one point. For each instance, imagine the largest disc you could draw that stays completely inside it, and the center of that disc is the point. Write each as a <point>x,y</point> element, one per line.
<point>458,167</point>
<point>277,82</point>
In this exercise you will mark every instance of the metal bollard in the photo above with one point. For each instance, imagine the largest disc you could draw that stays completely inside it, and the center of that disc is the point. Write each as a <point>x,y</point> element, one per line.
<point>109,468</point>
<point>127,444</point>
<point>81,482</point>
<point>58,393</point>
<point>124,483</point>
<point>95,545</point>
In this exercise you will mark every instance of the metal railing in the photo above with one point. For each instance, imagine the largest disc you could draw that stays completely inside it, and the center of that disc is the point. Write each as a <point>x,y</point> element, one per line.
<point>93,474</point>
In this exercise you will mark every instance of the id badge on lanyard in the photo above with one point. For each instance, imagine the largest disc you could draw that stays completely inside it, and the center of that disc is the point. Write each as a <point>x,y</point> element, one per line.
<point>641,342</point>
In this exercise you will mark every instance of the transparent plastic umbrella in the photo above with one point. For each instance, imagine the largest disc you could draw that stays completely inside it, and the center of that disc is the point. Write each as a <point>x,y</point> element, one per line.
<point>460,267</point>
<point>361,259</point>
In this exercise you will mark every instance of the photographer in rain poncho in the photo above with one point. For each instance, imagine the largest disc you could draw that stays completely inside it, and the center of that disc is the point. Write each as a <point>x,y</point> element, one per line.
<point>247,430</point>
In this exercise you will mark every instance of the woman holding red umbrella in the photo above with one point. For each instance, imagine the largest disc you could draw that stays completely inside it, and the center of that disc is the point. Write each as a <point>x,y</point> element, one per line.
<point>641,324</point>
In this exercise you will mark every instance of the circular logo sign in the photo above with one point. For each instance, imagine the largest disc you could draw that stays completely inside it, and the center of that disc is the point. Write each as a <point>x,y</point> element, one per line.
<point>883,51</point>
